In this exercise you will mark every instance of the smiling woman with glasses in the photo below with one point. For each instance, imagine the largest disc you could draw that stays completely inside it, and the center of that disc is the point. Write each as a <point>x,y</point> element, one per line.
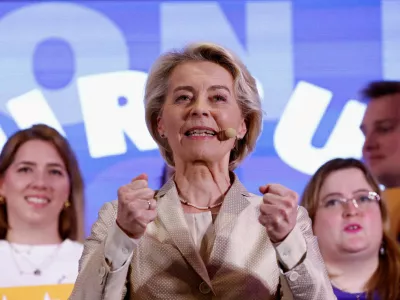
<point>351,223</point>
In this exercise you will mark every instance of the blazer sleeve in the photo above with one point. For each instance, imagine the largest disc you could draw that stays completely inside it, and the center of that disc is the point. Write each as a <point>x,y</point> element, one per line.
<point>104,265</point>
<point>302,266</point>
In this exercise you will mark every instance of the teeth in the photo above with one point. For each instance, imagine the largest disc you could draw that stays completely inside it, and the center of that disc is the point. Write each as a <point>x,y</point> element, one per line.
<point>37,200</point>
<point>200,133</point>
<point>353,227</point>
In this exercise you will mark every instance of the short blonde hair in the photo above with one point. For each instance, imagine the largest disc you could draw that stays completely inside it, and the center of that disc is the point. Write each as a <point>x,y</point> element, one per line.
<point>245,89</point>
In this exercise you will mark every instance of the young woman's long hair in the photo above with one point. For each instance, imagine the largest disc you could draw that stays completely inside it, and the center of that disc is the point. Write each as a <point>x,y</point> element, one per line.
<point>386,279</point>
<point>71,218</point>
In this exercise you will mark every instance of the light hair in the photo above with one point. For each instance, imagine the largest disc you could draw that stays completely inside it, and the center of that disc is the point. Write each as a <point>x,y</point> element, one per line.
<point>386,279</point>
<point>70,224</point>
<point>245,90</point>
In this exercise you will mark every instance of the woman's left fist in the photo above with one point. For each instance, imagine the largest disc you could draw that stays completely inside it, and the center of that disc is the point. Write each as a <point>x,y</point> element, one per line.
<point>278,211</point>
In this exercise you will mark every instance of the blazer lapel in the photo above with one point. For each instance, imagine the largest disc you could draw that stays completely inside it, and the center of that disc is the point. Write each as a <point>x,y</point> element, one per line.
<point>235,202</point>
<point>171,215</point>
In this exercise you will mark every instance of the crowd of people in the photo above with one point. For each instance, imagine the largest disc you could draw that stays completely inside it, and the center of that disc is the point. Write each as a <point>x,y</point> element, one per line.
<point>202,235</point>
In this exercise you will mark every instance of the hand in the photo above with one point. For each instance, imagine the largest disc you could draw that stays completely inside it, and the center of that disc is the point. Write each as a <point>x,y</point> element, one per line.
<point>134,212</point>
<point>278,211</point>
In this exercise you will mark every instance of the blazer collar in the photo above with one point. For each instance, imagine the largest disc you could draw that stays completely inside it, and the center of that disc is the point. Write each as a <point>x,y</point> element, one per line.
<point>236,200</point>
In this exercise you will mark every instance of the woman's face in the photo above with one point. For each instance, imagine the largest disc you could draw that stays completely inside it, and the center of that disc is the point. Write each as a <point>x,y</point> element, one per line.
<point>344,228</point>
<point>200,103</point>
<point>35,186</point>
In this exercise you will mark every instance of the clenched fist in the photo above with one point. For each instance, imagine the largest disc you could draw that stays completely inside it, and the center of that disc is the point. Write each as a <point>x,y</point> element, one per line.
<point>136,207</point>
<point>278,211</point>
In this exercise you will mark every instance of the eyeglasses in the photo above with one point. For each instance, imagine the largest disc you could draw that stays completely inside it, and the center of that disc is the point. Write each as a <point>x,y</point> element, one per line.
<point>360,200</point>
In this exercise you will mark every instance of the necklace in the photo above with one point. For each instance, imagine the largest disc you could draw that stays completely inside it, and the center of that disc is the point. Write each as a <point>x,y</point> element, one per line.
<point>37,270</point>
<point>27,252</point>
<point>201,207</point>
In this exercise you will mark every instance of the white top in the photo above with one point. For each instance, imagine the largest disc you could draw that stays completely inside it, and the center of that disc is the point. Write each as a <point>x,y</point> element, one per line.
<point>202,231</point>
<point>57,263</point>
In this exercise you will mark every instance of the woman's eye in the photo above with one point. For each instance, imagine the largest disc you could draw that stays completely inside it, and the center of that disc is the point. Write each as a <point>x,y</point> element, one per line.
<point>183,98</point>
<point>219,98</point>
<point>24,170</point>
<point>364,198</point>
<point>332,202</point>
<point>56,172</point>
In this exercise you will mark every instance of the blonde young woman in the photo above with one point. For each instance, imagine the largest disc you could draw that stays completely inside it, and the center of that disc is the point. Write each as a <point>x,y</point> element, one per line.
<point>41,209</point>
<point>351,222</point>
<point>202,235</point>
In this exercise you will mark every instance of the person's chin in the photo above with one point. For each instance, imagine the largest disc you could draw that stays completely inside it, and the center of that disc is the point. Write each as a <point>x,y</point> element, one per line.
<point>42,212</point>
<point>203,154</point>
<point>355,246</point>
<point>377,165</point>
<point>36,220</point>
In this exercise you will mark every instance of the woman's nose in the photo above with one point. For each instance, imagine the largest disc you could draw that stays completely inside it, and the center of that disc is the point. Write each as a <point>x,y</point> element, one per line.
<point>351,208</point>
<point>200,108</point>
<point>39,181</point>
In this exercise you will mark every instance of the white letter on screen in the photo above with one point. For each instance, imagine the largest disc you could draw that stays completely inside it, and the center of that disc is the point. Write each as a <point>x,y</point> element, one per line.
<point>3,138</point>
<point>107,122</point>
<point>300,120</point>
<point>30,109</point>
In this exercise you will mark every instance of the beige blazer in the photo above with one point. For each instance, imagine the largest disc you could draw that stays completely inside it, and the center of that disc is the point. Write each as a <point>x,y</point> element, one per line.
<point>242,264</point>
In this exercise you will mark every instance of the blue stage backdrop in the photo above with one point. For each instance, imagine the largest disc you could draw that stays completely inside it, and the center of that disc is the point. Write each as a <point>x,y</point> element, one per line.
<point>81,67</point>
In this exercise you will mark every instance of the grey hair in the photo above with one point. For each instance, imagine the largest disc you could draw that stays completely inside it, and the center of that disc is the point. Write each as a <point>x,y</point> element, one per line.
<point>245,89</point>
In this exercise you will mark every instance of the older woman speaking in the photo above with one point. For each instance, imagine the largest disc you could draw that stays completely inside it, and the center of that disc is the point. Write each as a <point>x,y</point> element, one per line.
<point>203,235</point>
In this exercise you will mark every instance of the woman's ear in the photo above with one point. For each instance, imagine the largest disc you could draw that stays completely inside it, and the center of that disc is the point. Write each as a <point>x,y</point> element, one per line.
<point>160,126</point>
<point>242,130</point>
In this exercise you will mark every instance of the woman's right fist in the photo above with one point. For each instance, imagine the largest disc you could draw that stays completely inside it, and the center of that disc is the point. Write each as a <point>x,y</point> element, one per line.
<point>136,207</point>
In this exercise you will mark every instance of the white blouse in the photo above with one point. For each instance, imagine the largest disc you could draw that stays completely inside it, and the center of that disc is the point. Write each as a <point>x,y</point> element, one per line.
<point>53,264</point>
<point>201,229</point>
